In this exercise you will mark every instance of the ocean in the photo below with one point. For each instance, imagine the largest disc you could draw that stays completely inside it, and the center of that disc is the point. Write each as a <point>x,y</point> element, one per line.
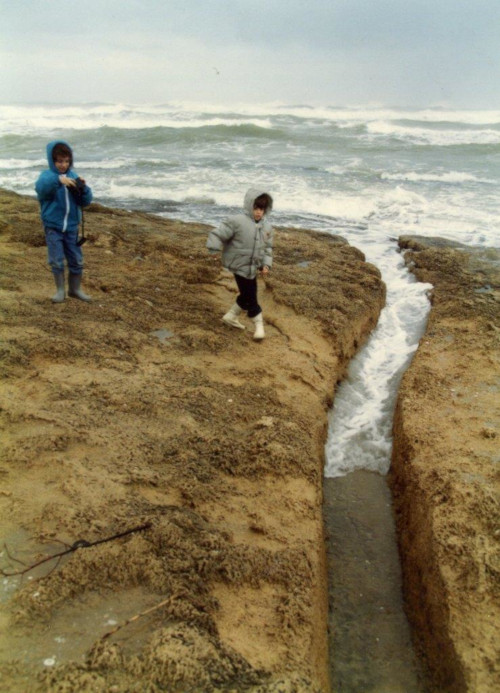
<point>369,174</point>
<point>428,171</point>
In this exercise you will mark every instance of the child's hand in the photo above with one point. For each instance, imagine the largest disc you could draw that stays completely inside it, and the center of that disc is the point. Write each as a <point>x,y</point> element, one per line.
<point>67,181</point>
<point>265,270</point>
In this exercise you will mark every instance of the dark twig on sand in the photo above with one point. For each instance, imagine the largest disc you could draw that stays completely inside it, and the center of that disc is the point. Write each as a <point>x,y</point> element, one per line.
<point>80,544</point>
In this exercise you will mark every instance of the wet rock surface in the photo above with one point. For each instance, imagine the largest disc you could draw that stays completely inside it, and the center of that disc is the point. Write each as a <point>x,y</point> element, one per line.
<point>445,468</point>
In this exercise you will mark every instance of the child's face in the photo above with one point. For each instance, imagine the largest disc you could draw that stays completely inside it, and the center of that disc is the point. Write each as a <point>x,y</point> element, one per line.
<point>258,213</point>
<point>62,163</point>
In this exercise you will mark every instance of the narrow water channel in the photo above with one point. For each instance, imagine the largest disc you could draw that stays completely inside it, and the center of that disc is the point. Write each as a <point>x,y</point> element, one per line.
<point>370,642</point>
<point>371,648</point>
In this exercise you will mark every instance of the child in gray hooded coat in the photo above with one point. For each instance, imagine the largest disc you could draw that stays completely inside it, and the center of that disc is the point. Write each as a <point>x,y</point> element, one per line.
<point>246,242</point>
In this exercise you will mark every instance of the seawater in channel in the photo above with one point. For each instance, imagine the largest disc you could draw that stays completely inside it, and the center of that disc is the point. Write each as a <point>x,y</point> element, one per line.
<point>370,640</point>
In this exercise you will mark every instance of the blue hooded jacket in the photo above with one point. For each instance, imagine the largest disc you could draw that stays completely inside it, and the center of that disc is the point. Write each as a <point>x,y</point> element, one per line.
<point>58,208</point>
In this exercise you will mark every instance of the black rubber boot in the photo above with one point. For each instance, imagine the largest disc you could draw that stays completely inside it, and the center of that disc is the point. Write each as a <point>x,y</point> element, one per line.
<point>74,289</point>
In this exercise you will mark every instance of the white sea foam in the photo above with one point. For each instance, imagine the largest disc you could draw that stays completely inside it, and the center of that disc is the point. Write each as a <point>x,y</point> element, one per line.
<point>336,170</point>
<point>27,119</point>
<point>339,206</point>
<point>448,177</point>
<point>102,165</point>
<point>360,433</point>
<point>123,191</point>
<point>346,116</point>
<point>379,121</point>
<point>440,137</point>
<point>22,163</point>
<point>359,436</point>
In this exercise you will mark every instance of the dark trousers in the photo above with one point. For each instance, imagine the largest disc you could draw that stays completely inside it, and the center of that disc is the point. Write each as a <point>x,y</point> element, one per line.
<point>247,299</point>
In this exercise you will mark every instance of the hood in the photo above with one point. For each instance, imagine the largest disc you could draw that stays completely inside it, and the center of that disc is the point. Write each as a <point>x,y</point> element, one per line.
<point>251,195</point>
<point>50,147</point>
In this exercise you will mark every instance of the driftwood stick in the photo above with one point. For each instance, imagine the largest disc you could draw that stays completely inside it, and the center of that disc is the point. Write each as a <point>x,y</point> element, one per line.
<point>80,544</point>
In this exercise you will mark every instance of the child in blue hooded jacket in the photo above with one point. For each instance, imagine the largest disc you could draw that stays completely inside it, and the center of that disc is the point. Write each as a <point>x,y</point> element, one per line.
<point>61,193</point>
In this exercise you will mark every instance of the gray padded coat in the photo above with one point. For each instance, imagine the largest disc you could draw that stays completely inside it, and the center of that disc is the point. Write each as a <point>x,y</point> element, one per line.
<point>246,245</point>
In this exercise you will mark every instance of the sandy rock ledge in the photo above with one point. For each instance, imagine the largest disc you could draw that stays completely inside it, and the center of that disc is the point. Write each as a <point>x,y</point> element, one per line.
<point>143,408</point>
<point>445,469</point>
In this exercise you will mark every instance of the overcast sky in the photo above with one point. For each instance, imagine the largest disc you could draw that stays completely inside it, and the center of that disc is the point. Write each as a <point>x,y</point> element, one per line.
<point>319,52</point>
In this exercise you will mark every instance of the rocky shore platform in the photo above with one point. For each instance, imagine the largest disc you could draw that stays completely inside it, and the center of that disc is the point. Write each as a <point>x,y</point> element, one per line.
<point>445,467</point>
<point>143,410</point>
<point>177,465</point>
